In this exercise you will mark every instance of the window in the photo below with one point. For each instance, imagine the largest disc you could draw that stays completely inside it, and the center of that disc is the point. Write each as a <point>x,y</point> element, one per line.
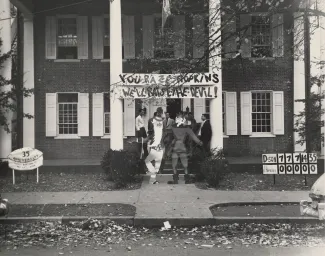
<point>261,36</point>
<point>67,41</point>
<point>261,112</point>
<point>207,106</point>
<point>107,111</point>
<point>107,37</point>
<point>68,113</point>
<point>164,43</point>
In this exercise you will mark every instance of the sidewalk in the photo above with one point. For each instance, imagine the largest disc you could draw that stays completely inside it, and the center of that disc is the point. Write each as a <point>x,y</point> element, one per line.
<point>161,200</point>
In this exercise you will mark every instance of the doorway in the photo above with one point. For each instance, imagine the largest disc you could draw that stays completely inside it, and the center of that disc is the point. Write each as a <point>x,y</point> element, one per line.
<point>174,106</point>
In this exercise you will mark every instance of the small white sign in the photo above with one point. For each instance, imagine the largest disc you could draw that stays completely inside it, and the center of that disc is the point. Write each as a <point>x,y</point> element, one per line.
<point>313,158</point>
<point>282,169</point>
<point>296,168</point>
<point>296,158</point>
<point>313,169</point>
<point>304,169</point>
<point>289,158</point>
<point>289,169</point>
<point>304,158</point>
<point>281,158</point>
<point>269,158</point>
<point>270,169</point>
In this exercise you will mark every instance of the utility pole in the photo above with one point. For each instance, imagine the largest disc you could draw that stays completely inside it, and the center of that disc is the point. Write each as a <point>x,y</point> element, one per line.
<point>307,75</point>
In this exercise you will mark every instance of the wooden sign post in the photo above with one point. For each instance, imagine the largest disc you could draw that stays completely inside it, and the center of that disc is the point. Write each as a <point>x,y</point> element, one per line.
<point>25,159</point>
<point>290,164</point>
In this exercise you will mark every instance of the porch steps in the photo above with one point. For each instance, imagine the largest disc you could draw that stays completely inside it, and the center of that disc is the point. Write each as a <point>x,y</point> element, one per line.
<point>164,178</point>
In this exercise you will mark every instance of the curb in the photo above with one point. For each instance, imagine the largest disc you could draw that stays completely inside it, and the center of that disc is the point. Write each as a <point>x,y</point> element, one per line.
<point>158,222</point>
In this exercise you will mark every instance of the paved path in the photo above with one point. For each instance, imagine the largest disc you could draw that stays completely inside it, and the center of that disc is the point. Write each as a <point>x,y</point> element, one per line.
<point>161,200</point>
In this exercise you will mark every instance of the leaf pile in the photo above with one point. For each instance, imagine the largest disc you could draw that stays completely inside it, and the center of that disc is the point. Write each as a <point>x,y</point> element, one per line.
<point>105,233</point>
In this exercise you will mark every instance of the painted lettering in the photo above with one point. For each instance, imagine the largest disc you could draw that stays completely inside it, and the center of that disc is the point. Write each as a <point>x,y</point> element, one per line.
<point>215,78</point>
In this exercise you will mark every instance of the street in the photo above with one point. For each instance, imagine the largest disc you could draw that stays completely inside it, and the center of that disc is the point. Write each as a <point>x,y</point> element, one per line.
<point>159,250</point>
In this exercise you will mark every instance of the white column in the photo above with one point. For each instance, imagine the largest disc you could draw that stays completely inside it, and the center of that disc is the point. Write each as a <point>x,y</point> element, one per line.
<point>115,70</point>
<point>298,73</point>
<point>29,102</point>
<point>5,71</point>
<point>215,67</point>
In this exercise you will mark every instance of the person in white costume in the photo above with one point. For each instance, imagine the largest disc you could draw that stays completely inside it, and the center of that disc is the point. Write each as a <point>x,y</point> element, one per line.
<point>156,131</point>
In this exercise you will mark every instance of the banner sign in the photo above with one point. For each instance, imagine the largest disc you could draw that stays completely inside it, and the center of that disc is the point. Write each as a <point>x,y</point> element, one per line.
<point>190,79</point>
<point>158,92</point>
<point>290,163</point>
<point>25,159</point>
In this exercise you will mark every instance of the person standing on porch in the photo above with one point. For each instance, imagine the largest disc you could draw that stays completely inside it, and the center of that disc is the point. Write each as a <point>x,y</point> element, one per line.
<point>179,150</point>
<point>155,130</point>
<point>141,134</point>
<point>205,132</point>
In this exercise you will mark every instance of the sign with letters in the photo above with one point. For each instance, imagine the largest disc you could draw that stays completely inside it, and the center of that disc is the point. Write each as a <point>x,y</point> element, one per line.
<point>25,159</point>
<point>290,163</point>
<point>191,85</point>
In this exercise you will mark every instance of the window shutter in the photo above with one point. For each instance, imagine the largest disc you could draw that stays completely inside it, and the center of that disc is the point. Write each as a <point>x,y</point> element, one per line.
<point>98,114</point>
<point>231,113</point>
<point>179,36</point>
<point>245,20</point>
<point>277,35</point>
<point>278,113</point>
<point>82,37</point>
<point>199,107</point>
<point>229,35</point>
<point>98,37</point>
<point>83,114</point>
<point>128,37</point>
<point>129,117</point>
<point>51,114</point>
<point>148,36</point>
<point>50,37</point>
<point>198,36</point>
<point>246,113</point>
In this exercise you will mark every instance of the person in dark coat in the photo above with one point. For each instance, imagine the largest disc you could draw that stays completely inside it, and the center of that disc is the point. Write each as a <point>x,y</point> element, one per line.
<point>205,132</point>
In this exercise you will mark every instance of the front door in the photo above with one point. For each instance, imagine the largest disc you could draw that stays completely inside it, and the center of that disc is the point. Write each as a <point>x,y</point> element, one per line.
<point>174,106</point>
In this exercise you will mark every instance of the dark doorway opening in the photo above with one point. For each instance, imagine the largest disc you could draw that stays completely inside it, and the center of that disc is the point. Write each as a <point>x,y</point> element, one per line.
<point>174,106</point>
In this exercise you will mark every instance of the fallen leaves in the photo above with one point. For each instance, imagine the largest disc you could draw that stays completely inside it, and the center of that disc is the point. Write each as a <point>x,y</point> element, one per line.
<point>105,233</point>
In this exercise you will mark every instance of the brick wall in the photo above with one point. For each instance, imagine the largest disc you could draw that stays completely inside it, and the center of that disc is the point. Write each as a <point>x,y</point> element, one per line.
<point>92,76</point>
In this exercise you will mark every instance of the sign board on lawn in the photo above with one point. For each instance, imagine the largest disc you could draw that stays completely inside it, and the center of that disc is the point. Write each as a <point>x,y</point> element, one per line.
<point>25,159</point>
<point>290,163</point>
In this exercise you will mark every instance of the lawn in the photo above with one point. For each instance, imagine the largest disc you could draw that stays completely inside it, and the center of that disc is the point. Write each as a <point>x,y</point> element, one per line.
<point>249,181</point>
<point>67,181</point>
<point>28,210</point>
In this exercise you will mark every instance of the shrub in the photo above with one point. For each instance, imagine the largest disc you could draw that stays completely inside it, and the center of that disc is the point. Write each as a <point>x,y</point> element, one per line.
<point>121,166</point>
<point>214,167</point>
<point>4,168</point>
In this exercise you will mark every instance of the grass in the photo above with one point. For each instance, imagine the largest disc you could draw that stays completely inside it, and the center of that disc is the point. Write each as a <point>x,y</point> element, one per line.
<point>279,210</point>
<point>34,210</point>
<point>247,181</point>
<point>61,182</point>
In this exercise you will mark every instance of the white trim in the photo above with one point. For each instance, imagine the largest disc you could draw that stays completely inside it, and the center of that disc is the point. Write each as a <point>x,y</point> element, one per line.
<point>67,136</point>
<point>225,136</point>
<point>109,60</point>
<point>66,60</point>
<point>262,135</point>
<point>108,137</point>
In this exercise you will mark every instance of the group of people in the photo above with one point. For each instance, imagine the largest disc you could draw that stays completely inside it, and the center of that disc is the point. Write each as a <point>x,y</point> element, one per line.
<point>171,137</point>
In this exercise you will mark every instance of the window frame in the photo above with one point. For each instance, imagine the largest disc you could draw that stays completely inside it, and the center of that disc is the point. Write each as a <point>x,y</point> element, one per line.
<point>67,16</point>
<point>109,113</point>
<point>261,14</point>
<point>66,136</point>
<point>263,134</point>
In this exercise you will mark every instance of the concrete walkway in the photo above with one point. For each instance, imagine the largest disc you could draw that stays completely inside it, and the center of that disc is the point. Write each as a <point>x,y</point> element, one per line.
<point>160,200</point>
